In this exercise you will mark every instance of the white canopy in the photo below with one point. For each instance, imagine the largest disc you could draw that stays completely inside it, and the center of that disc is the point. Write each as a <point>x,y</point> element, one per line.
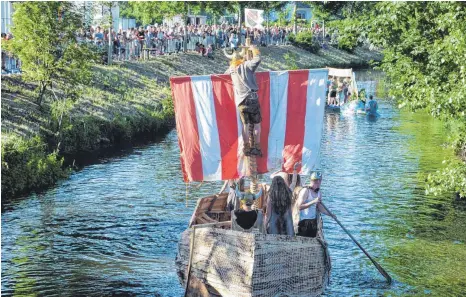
<point>340,72</point>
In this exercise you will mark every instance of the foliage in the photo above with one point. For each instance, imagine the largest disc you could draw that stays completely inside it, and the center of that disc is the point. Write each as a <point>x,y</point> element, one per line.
<point>150,12</point>
<point>147,12</point>
<point>450,179</point>
<point>424,47</point>
<point>26,165</point>
<point>348,33</point>
<point>305,40</point>
<point>45,42</point>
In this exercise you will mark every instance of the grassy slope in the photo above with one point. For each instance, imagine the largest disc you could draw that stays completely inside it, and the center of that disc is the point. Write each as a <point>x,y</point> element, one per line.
<point>122,102</point>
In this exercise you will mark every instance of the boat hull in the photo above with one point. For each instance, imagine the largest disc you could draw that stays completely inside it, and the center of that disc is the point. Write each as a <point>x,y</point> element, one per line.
<point>234,263</point>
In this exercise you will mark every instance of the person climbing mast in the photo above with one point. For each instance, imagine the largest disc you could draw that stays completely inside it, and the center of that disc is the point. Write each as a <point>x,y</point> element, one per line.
<point>242,70</point>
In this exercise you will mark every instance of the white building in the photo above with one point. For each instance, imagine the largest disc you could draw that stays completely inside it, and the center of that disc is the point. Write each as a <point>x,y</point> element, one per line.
<point>192,19</point>
<point>6,13</point>
<point>96,14</point>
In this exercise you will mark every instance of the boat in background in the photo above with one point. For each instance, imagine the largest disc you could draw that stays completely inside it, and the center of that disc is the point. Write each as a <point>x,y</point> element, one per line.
<point>338,74</point>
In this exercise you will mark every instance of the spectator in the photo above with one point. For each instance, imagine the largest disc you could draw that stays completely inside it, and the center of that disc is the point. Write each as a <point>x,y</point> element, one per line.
<point>210,52</point>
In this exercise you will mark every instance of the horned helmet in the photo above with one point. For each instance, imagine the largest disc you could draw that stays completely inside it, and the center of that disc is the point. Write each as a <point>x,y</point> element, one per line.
<point>236,57</point>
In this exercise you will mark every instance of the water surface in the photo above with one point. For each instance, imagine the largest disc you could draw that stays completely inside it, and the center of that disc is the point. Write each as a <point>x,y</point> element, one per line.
<point>112,228</point>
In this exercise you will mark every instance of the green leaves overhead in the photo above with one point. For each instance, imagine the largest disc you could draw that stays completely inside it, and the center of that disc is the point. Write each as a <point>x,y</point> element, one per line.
<point>150,12</point>
<point>424,47</point>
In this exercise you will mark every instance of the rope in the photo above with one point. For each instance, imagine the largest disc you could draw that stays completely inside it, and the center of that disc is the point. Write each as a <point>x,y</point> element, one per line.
<point>187,183</point>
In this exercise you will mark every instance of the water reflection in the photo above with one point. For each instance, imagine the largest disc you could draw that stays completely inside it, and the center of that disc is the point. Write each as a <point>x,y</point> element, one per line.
<point>112,228</point>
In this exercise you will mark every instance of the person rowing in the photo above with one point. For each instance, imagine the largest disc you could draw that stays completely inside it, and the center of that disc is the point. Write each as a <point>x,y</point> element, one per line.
<point>309,208</point>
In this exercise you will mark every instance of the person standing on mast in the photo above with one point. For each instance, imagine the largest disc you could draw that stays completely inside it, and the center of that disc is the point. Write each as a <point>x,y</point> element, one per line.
<point>242,71</point>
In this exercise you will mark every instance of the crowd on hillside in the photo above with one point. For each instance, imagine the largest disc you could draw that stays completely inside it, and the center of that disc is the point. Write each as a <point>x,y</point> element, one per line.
<point>135,43</point>
<point>165,39</point>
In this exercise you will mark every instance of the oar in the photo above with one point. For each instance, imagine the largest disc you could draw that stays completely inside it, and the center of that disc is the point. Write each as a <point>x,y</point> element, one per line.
<point>379,268</point>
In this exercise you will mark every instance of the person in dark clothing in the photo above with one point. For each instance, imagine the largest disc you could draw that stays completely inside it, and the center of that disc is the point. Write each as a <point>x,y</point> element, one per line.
<point>279,218</point>
<point>242,71</point>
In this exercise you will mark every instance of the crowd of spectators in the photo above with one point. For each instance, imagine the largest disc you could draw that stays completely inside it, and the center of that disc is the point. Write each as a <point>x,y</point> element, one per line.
<point>137,43</point>
<point>165,39</point>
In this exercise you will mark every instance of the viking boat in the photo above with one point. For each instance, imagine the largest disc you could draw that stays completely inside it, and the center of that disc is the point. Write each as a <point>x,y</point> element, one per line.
<point>213,259</point>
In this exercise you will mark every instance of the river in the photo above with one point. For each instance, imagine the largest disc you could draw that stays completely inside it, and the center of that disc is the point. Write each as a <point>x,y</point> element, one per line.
<point>112,228</point>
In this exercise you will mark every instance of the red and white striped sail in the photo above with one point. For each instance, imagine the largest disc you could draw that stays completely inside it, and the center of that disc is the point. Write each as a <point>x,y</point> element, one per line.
<point>209,127</point>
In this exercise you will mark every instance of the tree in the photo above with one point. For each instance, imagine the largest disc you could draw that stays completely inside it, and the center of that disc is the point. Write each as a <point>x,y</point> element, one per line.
<point>45,42</point>
<point>424,47</point>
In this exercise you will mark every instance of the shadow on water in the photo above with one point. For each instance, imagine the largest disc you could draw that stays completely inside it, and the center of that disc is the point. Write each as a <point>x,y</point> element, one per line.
<point>112,228</point>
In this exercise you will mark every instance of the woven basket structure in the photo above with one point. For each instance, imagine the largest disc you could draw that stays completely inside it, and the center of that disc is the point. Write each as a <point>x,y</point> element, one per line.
<point>242,264</point>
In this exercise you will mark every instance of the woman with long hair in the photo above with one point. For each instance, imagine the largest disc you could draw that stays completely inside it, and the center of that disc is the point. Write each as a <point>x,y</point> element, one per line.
<point>279,218</point>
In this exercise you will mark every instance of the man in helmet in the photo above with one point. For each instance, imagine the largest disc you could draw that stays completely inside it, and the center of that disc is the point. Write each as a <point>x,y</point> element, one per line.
<point>242,70</point>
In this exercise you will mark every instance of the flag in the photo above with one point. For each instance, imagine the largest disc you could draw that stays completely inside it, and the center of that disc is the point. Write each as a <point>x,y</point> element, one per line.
<point>254,18</point>
<point>209,126</point>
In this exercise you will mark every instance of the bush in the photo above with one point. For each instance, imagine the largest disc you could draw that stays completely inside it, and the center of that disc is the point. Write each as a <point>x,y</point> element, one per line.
<point>305,41</point>
<point>290,59</point>
<point>27,166</point>
<point>348,33</point>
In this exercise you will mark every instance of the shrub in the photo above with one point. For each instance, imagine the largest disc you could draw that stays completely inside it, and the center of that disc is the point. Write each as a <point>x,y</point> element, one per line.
<point>348,33</point>
<point>27,166</point>
<point>290,59</point>
<point>305,40</point>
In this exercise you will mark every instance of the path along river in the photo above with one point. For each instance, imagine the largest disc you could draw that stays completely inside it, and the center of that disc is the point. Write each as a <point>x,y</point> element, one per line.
<point>112,228</point>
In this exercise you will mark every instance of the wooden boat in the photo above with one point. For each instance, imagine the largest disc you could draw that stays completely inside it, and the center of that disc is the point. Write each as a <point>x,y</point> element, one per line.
<point>234,263</point>
<point>213,259</point>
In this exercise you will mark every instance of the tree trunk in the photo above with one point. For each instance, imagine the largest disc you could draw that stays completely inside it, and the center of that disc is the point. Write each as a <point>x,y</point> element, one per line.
<point>185,37</point>
<point>43,87</point>
<point>110,45</point>
<point>267,20</point>
<point>239,23</point>
<point>294,18</point>
<point>110,41</point>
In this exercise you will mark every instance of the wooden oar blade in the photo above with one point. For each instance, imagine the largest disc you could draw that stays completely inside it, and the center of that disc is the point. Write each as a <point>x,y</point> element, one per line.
<point>377,265</point>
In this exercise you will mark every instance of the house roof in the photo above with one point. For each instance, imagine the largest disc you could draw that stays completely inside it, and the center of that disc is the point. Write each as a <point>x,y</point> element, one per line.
<point>300,4</point>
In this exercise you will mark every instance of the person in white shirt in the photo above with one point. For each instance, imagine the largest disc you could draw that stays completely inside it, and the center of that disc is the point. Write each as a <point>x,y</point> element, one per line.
<point>309,207</point>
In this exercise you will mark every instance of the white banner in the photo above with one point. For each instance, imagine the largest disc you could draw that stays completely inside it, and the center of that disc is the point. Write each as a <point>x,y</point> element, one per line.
<point>254,18</point>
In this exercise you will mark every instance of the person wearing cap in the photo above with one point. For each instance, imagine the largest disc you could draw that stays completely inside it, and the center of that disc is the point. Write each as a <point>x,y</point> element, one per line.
<point>309,207</point>
<point>242,71</point>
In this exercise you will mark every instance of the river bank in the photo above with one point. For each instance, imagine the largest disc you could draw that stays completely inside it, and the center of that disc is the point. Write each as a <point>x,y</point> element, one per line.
<point>124,104</point>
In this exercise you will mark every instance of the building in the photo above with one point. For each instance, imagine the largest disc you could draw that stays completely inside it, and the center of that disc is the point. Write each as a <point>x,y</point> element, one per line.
<point>6,13</point>
<point>303,12</point>
<point>96,14</point>
<point>192,19</point>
